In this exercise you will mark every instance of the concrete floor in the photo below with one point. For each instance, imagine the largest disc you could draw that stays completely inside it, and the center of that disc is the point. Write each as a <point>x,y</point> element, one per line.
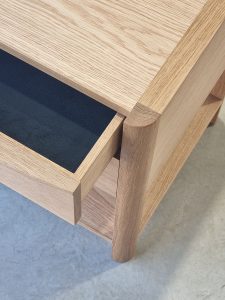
<point>181,254</point>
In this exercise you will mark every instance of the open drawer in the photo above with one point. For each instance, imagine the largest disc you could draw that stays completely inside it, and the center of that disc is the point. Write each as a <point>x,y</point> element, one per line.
<point>54,141</point>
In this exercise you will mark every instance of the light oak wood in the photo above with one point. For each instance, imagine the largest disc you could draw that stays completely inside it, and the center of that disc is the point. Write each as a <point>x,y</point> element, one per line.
<point>215,118</point>
<point>39,179</point>
<point>98,208</point>
<point>219,92</point>
<point>188,97</point>
<point>50,185</point>
<point>177,95</point>
<point>190,56</point>
<point>174,97</point>
<point>193,133</point>
<point>155,62</point>
<point>110,50</point>
<point>138,146</point>
<point>155,193</point>
<point>178,101</point>
<point>100,155</point>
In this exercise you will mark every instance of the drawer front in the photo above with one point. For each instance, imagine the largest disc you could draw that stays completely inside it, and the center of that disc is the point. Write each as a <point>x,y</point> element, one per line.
<point>50,185</point>
<point>54,141</point>
<point>39,179</point>
<point>100,155</point>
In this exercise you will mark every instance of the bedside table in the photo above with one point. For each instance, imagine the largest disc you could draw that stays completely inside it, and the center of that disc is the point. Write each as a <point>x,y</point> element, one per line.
<point>102,102</point>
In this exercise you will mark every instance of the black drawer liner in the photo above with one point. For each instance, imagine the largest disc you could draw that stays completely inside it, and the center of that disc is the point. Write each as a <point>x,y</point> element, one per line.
<point>48,116</point>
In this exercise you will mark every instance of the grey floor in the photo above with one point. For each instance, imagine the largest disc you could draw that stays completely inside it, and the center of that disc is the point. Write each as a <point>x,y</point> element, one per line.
<point>181,254</point>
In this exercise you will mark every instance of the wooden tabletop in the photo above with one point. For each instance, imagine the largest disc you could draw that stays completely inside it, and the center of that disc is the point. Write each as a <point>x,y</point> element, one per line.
<point>108,49</point>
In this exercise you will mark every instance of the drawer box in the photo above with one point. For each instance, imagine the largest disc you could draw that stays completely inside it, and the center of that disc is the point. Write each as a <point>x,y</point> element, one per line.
<point>54,141</point>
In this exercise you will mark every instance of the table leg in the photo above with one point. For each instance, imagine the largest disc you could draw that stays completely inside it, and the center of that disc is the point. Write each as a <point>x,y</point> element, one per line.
<point>138,146</point>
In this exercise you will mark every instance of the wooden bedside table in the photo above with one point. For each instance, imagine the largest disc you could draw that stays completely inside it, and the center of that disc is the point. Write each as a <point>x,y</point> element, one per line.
<point>156,67</point>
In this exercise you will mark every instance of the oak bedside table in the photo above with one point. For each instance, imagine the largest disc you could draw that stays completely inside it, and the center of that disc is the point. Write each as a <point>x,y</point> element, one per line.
<point>102,102</point>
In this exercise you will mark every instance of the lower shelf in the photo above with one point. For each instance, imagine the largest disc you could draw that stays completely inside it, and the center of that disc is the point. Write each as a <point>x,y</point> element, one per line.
<point>98,208</point>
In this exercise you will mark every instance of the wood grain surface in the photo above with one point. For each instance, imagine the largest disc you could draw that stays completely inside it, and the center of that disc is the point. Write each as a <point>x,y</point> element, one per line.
<point>111,50</point>
<point>39,179</point>
<point>51,186</point>
<point>219,90</point>
<point>100,155</point>
<point>98,208</point>
<point>193,133</point>
<point>185,59</point>
<point>174,97</point>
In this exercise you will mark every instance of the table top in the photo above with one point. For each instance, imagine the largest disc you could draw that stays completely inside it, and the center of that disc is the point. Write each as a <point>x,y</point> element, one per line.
<point>108,49</point>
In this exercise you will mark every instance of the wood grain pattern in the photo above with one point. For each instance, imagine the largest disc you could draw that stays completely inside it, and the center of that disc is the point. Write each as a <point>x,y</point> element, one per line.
<point>215,118</point>
<point>39,179</point>
<point>188,99</point>
<point>156,191</point>
<point>219,90</point>
<point>138,145</point>
<point>186,56</point>
<point>98,208</point>
<point>100,155</point>
<point>50,185</point>
<point>110,50</point>
<point>174,97</point>
<point>178,101</point>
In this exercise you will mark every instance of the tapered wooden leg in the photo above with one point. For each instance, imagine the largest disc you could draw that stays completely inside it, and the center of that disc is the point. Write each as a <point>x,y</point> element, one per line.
<point>136,156</point>
<point>219,92</point>
<point>138,146</point>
